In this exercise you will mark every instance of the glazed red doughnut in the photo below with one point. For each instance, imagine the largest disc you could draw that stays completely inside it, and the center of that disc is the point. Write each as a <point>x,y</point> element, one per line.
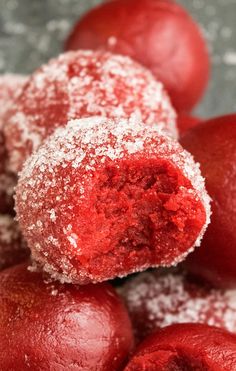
<point>156,301</point>
<point>10,86</point>
<point>159,34</point>
<point>81,84</point>
<point>186,122</point>
<point>13,249</point>
<point>213,144</point>
<point>188,346</point>
<point>46,325</point>
<point>103,198</point>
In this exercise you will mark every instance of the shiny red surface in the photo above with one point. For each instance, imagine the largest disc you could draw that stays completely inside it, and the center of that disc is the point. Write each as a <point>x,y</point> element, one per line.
<point>60,327</point>
<point>213,144</point>
<point>186,122</point>
<point>159,34</point>
<point>186,347</point>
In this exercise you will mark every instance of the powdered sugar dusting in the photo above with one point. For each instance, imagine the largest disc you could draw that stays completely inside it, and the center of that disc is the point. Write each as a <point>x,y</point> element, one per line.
<point>10,86</point>
<point>78,151</point>
<point>156,300</point>
<point>82,84</point>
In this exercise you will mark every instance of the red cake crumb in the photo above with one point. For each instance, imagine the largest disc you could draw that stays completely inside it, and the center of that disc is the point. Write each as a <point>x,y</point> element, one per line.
<point>13,249</point>
<point>155,301</point>
<point>186,122</point>
<point>213,144</point>
<point>186,347</point>
<point>48,326</point>
<point>161,35</point>
<point>10,86</point>
<point>82,84</point>
<point>103,198</point>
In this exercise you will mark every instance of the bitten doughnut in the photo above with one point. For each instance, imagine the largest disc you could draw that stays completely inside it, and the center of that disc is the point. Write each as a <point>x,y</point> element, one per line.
<point>156,301</point>
<point>48,326</point>
<point>103,198</point>
<point>161,35</point>
<point>81,84</point>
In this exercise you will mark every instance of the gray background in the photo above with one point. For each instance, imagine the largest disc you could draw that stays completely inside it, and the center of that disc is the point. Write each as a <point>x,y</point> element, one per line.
<point>32,31</point>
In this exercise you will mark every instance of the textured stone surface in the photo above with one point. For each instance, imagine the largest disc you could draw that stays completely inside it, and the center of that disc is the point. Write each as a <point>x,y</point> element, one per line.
<point>32,31</point>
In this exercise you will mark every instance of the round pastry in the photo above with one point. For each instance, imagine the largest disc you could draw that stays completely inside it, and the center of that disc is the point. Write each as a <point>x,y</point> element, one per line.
<point>81,84</point>
<point>189,346</point>
<point>104,198</point>
<point>161,35</point>
<point>13,249</point>
<point>156,301</point>
<point>45,325</point>
<point>213,144</point>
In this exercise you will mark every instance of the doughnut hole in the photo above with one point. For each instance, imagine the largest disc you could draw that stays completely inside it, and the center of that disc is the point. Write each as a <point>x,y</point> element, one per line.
<point>142,211</point>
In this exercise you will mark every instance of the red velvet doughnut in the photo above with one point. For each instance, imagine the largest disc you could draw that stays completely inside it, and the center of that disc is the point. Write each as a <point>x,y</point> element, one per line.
<point>48,326</point>
<point>81,84</point>
<point>103,198</point>
<point>159,34</point>
<point>156,301</point>
<point>190,347</point>
<point>13,249</point>
<point>213,144</point>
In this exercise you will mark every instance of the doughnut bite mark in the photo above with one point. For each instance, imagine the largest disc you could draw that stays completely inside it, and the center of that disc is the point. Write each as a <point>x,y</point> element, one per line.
<point>104,198</point>
<point>213,144</point>
<point>161,35</point>
<point>45,325</point>
<point>82,84</point>
<point>189,346</point>
<point>13,249</point>
<point>156,301</point>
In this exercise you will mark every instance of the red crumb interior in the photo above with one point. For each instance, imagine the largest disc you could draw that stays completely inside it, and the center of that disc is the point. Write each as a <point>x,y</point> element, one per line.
<point>143,215</point>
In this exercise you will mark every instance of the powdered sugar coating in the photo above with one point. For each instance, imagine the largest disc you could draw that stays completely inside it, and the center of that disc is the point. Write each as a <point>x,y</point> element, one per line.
<point>82,84</point>
<point>12,248</point>
<point>156,301</point>
<point>57,183</point>
<point>10,85</point>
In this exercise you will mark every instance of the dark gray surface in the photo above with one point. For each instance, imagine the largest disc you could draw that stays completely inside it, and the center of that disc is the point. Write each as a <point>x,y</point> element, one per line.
<point>32,31</point>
